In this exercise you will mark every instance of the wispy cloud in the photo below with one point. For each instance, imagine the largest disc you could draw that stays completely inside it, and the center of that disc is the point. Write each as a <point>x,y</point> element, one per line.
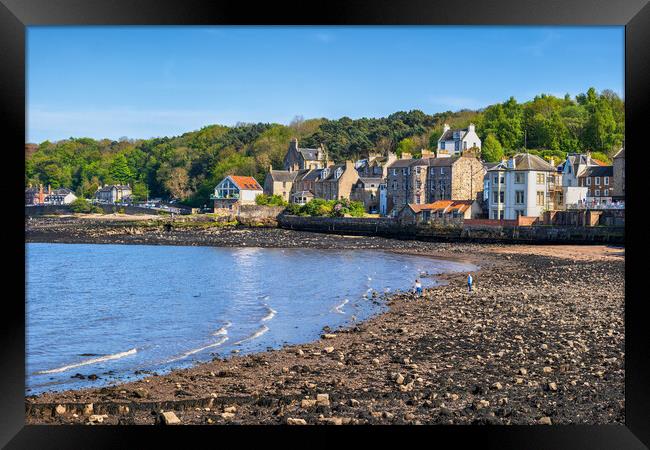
<point>539,47</point>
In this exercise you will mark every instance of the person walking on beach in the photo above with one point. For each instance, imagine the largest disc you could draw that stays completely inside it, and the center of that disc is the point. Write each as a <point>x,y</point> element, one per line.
<point>470,280</point>
<point>418,287</point>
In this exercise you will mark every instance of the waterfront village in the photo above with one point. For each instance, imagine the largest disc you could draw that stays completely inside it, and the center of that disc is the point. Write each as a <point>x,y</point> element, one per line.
<point>449,184</point>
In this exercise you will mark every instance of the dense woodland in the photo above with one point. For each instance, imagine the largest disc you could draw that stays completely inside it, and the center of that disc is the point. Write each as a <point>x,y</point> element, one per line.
<point>187,167</point>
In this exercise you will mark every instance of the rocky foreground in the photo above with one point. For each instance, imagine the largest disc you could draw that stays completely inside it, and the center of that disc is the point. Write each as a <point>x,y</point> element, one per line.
<point>540,341</point>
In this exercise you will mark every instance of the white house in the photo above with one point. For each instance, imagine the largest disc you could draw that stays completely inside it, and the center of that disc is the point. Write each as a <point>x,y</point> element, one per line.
<point>234,191</point>
<point>113,193</point>
<point>455,142</point>
<point>524,185</point>
<point>60,196</point>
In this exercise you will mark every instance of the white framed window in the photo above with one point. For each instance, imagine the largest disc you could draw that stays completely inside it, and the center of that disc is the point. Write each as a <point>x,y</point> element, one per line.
<point>519,197</point>
<point>588,181</point>
<point>606,192</point>
<point>597,193</point>
<point>442,145</point>
<point>540,198</point>
<point>606,180</point>
<point>519,177</point>
<point>442,171</point>
<point>597,181</point>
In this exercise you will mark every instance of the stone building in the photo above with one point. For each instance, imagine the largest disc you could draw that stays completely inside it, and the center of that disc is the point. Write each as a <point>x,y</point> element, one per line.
<point>366,191</point>
<point>113,193</point>
<point>456,177</point>
<point>375,165</point>
<point>425,180</point>
<point>279,182</point>
<point>305,158</point>
<point>599,183</point>
<point>618,190</point>
<point>335,182</point>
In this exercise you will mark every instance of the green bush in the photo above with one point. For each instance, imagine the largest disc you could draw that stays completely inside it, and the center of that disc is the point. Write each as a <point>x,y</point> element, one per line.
<point>270,200</point>
<point>80,205</point>
<point>319,207</point>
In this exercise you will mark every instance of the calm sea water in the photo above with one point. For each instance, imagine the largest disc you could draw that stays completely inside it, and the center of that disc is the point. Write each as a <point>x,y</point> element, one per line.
<point>112,310</point>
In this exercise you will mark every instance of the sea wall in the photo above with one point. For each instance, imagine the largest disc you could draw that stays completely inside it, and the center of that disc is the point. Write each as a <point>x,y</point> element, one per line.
<point>65,209</point>
<point>507,232</point>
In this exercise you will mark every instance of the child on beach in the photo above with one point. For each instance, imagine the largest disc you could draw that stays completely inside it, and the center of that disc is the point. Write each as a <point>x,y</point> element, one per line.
<point>470,280</point>
<point>418,287</point>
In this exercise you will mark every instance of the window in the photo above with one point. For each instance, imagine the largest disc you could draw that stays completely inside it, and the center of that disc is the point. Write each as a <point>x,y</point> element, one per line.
<point>442,171</point>
<point>501,214</point>
<point>519,177</point>
<point>501,196</point>
<point>464,145</point>
<point>394,171</point>
<point>597,193</point>
<point>503,180</point>
<point>519,197</point>
<point>606,181</point>
<point>588,181</point>
<point>606,192</point>
<point>540,178</point>
<point>496,179</point>
<point>495,196</point>
<point>442,145</point>
<point>597,181</point>
<point>540,198</point>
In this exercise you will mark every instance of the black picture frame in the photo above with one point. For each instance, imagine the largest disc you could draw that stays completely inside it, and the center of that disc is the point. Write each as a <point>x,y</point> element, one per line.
<point>16,15</point>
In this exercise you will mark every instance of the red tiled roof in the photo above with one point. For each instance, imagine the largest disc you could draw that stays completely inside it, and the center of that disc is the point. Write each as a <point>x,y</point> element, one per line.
<point>246,183</point>
<point>442,205</point>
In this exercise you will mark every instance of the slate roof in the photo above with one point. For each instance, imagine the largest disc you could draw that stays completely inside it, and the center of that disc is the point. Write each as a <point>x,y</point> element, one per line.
<point>310,154</point>
<point>442,162</point>
<point>367,180</point>
<point>599,171</point>
<point>109,187</point>
<point>402,163</point>
<point>449,134</point>
<point>332,171</point>
<point>309,175</point>
<point>282,175</point>
<point>526,161</point>
<point>246,183</point>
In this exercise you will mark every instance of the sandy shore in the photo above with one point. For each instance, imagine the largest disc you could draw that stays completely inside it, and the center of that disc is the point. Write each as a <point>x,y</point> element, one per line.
<point>540,341</point>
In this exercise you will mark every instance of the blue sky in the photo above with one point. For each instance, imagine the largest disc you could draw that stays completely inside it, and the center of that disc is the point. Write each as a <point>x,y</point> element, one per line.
<point>143,82</point>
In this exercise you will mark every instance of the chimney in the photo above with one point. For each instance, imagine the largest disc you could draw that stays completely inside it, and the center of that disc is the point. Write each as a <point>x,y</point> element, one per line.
<point>406,155</point>
<point>511,163</point>
<point>427,153</point>
<point>49,189</point>
<point>294,143</point>
<point>270,167</point>
<point>471,128</point>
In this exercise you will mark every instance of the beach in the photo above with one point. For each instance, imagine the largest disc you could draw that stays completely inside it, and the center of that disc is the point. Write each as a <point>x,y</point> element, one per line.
<point>540,340</point>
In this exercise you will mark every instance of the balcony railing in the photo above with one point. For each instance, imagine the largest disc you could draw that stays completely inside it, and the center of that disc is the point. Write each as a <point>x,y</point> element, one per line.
<point>223,197</point>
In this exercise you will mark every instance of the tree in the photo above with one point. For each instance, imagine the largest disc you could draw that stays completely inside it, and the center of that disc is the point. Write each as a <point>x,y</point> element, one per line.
<point>491,150</point>
<point>119,170</point>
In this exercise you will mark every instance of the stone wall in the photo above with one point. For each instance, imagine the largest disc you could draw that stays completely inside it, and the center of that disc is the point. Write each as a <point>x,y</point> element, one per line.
<point>65,209</point>
<point>489,232</point>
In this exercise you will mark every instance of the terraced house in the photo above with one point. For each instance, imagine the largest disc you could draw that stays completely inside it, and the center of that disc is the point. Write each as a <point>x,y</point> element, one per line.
<point>335,182</point>
<point>524,185</point>
<point>425,180</point>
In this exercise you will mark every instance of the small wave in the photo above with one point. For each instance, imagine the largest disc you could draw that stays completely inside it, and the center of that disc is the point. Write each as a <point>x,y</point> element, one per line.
<point>339,308</point>
<point>223,330</point>
<point>263,329</point>
<point>200,349</point>
<point>90,361</point>
<point>270,314</point>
